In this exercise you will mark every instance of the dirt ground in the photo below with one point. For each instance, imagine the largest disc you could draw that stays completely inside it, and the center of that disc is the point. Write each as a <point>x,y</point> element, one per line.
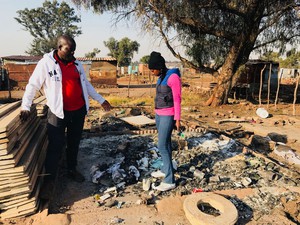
<point>74,203</point>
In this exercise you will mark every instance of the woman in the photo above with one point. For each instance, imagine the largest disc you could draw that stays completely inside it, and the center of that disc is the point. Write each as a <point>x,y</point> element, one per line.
<point>167,115</point>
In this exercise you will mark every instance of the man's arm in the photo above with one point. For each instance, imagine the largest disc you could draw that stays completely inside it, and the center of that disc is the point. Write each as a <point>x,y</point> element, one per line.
<point>34,84</point>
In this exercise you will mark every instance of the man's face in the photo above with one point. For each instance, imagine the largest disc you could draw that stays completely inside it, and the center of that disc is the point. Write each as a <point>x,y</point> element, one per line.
<point>66,51</point>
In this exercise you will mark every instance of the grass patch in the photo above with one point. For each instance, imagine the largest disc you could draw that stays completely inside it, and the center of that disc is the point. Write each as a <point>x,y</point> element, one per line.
<point>130,101</point>
<point>189,98</point>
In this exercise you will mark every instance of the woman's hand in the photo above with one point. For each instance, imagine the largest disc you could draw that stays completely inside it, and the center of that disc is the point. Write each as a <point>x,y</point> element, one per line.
<point>177,124</point>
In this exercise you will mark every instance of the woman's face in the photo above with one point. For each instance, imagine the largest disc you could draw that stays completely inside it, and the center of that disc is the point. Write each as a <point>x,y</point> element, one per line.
<point>155,72</point>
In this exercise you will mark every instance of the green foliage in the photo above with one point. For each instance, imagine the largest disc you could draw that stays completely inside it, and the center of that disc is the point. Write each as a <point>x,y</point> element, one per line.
<point>207,51</point>
<point>46,23</point>
<point>122,50</point>
<point>292,59</point>
<point>210,30</point>
<point>271,56</point>
<point>218,35</point>
<point>93,53</point>
<point>145,59</point>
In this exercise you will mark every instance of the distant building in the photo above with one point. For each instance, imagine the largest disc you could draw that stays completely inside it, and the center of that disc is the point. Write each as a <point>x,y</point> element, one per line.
<point>101,71</point>
<point>17,69</point>
<point>251,78</point>
<point>288,72</point>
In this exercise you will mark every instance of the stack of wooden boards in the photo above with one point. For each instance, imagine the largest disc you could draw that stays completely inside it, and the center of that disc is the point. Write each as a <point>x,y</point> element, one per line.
<point>22,153</point>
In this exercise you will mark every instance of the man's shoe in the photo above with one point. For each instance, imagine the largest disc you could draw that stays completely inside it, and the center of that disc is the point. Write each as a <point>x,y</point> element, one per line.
<point>76,176</point>
<point>164,187</point>
<point>158,174</point>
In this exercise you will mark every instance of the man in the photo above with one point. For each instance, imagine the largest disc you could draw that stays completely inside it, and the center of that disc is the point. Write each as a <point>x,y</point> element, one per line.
<point>66,89</point>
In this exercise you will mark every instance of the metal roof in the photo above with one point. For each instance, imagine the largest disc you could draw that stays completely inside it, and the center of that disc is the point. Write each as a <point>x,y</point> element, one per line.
<point>22,58</point>
<point>259,61</point>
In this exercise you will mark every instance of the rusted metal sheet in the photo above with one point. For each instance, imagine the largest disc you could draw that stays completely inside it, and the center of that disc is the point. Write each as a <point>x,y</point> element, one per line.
<point>102,77</point>
<point>19,74</point>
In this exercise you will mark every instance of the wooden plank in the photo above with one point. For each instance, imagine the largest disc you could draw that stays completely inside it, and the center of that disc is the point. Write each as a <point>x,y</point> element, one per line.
<point>7,202</point>
<point>28,206</point>
<point>8,121</point>
<point>19,149</point>
<point>24,208</point>
<point>37,168</point>
<point>5,148</point>
<point>39,100</point>
<point>3,105</point>
<point>13,185</point>
<point>138,120</point>
<point>16,126</point>
<point>8,166</point>
<point>37,146</point>
<point>14,198</point>
<point>13,180</point>
<point>13,176</point>
<point>9,107</point>
<point>12,203</point>
<point>232,120</point>
<point>17,171</point>
<point>13,192</point>
<point>37,155</point>
<point>19,124</point>
<point>17,204</point>
<point>32,161</point>
<point>25,160</point>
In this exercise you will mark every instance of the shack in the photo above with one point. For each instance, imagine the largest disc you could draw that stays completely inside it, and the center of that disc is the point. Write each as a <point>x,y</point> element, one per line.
<point>252,75</point>
<point>258,73</point>
<point>101,71</point>
<point>17,69</point>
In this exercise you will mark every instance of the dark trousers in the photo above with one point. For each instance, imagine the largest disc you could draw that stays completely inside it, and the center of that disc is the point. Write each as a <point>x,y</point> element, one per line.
<point>58,130</point>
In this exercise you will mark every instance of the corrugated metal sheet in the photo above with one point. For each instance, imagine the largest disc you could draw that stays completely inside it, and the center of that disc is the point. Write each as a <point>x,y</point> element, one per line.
<point>22,58</point>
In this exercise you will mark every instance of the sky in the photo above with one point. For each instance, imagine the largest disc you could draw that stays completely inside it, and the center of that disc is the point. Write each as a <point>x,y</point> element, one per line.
<point>14,40</point>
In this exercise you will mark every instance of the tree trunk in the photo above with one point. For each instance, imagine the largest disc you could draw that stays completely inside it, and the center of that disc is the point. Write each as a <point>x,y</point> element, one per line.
<point>225,79</point>
<point>238,55</point>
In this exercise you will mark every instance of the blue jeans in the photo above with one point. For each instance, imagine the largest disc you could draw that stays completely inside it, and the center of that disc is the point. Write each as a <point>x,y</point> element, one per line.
<point>165,125</point>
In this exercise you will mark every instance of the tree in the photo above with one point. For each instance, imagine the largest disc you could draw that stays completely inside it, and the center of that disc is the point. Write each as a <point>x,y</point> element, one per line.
<point>291,59</point>
<point>145,59</point>
<point>219,35</point>
<point>271,56</point>
<point>93,53</point>
<point>46,23</point>
<point>122,50</point>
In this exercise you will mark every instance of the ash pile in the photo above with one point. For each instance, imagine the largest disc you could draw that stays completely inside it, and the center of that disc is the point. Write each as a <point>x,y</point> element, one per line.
<point>204,162</point>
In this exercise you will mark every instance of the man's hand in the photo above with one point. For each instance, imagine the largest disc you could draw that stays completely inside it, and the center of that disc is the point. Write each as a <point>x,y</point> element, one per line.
<point>24,114</point>
<point>106,106</point>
